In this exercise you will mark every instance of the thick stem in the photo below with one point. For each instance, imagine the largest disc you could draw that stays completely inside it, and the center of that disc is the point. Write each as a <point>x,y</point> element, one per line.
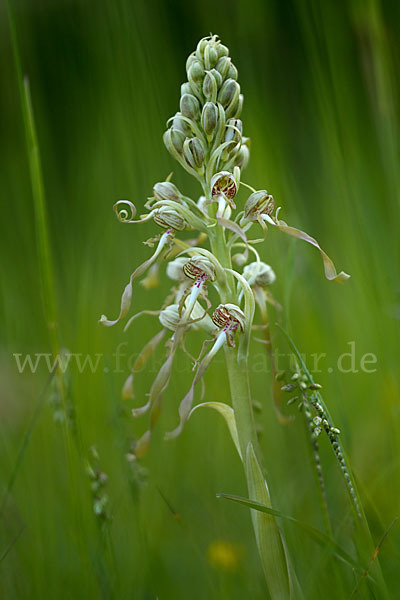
<point>241,401</point>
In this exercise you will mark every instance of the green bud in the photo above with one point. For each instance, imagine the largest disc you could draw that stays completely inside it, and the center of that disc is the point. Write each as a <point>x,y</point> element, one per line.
<point>239,107</point>
<point>182,125</point>
<point>167,218</point>
<point>223,65</point>
<point>194,153</point>
<point>222,50</point>
<point>170,317</point>
<point>232,72</point>
<point>186,88</point>
<point>217,75</point>
<point>174,139</point>
<point>210,56</point>
<point>166,190</point>
<point>201,46</point>
<point>195,72</point>
<point>190,60</point>
<point>209,118</point>
<point>315,386</point>
<point>234,109</point>
<point>210,87</point>
<point>229,92</point>
<point>189,106</point>
<point>260,274</point>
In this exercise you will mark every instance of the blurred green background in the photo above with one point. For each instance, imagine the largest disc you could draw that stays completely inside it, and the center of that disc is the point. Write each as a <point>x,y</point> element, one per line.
<point>321,86</point>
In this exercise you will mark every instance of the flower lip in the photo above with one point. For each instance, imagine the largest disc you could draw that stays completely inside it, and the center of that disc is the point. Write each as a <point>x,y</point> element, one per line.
<point>229,317</point>
<point>199,267</point>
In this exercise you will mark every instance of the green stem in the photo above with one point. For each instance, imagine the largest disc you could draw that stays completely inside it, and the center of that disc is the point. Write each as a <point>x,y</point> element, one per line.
<point>268,537</point>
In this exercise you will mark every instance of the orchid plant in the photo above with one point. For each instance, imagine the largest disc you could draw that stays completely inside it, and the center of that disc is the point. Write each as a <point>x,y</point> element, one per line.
<point>206,139</point>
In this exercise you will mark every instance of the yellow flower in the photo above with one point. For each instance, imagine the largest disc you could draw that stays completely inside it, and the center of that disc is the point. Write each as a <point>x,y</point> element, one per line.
<point>224,556</point>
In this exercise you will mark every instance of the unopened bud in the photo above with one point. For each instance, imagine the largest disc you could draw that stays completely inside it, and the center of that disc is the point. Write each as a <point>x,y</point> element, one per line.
<point>165,190</point>
<point>194,153</point>
<point>189,106</point>
<point>234,109</point>
<point>169,317</point>
<point>232,72</point>
<point>315,386</point>
<point>173,140</point>
<point>210,56</point>
<point>201,46</point>
<point>181,125</point>
<point>259,203</point>
<point>259,273</point>
<point>199,266</point>
<point>210,86</point>
<point>185,88</point>
<point>222,50</point>
<point>195,72</point>
<point>209,118</point>
<point>223,65</point>
<point>167,218</point>
<point>190,60</point>
<point>229,92</point>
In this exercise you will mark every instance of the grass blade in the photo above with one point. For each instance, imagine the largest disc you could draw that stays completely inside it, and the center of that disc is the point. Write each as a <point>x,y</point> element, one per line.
<point>318,536</point>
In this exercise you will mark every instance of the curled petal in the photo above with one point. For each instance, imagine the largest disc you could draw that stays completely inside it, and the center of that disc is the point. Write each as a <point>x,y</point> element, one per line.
<point>329,267</point>
<point>142,445</point>
<point>146,353</point>
<point>127,293</point>
<point>140,410</point>
<point>123,214</point>
<point>126,212</point>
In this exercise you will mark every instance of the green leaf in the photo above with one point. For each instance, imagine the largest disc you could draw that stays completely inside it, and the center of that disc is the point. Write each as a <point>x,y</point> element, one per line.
<point>318,536</point>
<point>268,536</point>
